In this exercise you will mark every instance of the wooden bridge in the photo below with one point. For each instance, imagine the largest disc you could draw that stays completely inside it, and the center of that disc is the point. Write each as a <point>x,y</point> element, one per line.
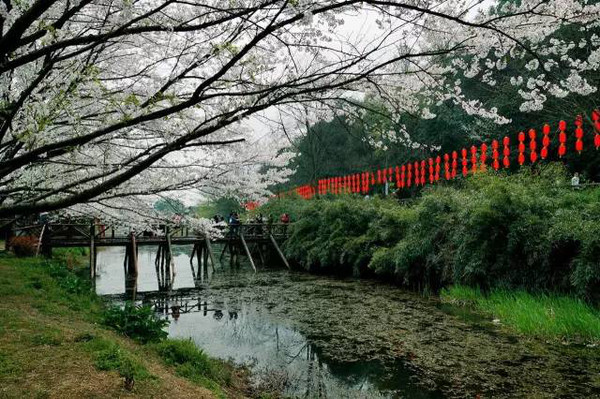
<point>251,240</point>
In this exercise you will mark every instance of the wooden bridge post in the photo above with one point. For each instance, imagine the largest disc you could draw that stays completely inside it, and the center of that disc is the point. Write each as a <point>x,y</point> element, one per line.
<point>279,251</point>
<point>132,264</point>
<point>210,252</point>
<point>247,250</point>
<point>9,235</point>
<point>46,242</point>
<point>92,252</point>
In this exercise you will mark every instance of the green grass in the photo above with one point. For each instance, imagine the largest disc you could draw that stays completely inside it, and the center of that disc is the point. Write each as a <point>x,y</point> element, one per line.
<point>192,363</point>
<point>548,316</point>
<point>49,315</point>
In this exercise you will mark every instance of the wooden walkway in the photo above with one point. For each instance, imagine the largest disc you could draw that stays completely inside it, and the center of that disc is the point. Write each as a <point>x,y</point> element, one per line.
<point>250,240</point>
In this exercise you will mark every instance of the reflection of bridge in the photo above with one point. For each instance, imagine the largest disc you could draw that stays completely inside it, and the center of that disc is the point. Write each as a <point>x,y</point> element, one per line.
<point>251,240</point>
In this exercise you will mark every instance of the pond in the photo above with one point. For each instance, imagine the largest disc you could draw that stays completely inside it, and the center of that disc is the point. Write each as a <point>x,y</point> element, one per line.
<point>315,336</point>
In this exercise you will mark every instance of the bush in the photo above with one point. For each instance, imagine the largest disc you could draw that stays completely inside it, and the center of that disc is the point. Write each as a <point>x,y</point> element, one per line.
<point>137,322</point>
<point>24,246</point>
<point>528,230</point>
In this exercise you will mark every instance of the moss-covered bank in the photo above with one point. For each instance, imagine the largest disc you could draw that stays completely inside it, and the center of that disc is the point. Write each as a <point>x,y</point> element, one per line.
<point>52,344</point>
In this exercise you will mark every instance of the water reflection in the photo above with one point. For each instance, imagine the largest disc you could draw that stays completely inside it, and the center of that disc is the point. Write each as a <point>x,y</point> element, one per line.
<point>206,307</point>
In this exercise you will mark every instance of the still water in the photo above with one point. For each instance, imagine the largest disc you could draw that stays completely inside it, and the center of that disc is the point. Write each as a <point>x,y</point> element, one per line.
<point>314,336</point>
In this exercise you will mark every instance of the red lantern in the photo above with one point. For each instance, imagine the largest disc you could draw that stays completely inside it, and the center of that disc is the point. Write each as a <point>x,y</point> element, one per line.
<point>402,173</point>
<point>447,174</point>
<point>596,119</point>
<point>545,141</point>
<point>464,162</point>
<point>506,152</point>
<point>521,148</point>
<point>379,176</point>
<point>409,175</point>
<point>422,173</point>
<point>474,158</point>
<point>430,170</point>
<point>532,146</point>
<point>495,155</point>
<point>483,157</point>
<point>454,163</point>
<point>372,178</point>
<point>417,174</point>
<point>438,160</point>
<point>579,134</point>
<point>398,177</point>
<point>562,138</point>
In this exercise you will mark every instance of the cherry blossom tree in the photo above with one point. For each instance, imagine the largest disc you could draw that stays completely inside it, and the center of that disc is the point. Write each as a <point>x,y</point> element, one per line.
<point>105,103</point>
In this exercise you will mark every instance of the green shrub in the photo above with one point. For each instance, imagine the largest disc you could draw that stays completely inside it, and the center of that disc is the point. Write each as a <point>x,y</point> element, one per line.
<point>527,230</point>
<point>136,322</point>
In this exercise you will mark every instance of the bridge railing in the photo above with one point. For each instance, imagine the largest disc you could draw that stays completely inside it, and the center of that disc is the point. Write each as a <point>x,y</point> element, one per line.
<point>100,231</point>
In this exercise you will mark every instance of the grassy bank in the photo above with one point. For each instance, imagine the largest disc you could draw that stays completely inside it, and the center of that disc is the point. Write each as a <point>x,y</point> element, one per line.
<point>548,316</point>
<point>53,343</point>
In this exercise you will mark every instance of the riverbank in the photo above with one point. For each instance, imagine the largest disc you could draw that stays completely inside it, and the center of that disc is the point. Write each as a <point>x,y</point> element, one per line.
<point>53,345</point>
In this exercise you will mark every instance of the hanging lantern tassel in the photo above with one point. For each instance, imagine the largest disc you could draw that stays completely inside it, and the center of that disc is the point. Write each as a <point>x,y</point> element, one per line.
<point>545,141</point>
<point>521,148</point>
<point>506,152</point>
<point>596,119</point>
<point>464,162</point>
<point>454,163</point>
<point>430,170</point>
<point>532,146</point>
<point>579,134</point>
<point>562,138</point>
<point>495,155</point>
<point>473,159</point>
<point>483,157</point>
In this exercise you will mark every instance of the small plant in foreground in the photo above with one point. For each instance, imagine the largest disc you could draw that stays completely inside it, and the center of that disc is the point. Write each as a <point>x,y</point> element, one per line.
<point>137,322</point>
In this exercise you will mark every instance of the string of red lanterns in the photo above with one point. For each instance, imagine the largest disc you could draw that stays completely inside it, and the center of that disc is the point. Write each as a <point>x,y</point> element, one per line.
<point>417,173</point>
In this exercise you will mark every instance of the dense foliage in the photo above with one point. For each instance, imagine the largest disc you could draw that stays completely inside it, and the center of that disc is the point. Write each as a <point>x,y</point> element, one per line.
<point>527,230</point>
